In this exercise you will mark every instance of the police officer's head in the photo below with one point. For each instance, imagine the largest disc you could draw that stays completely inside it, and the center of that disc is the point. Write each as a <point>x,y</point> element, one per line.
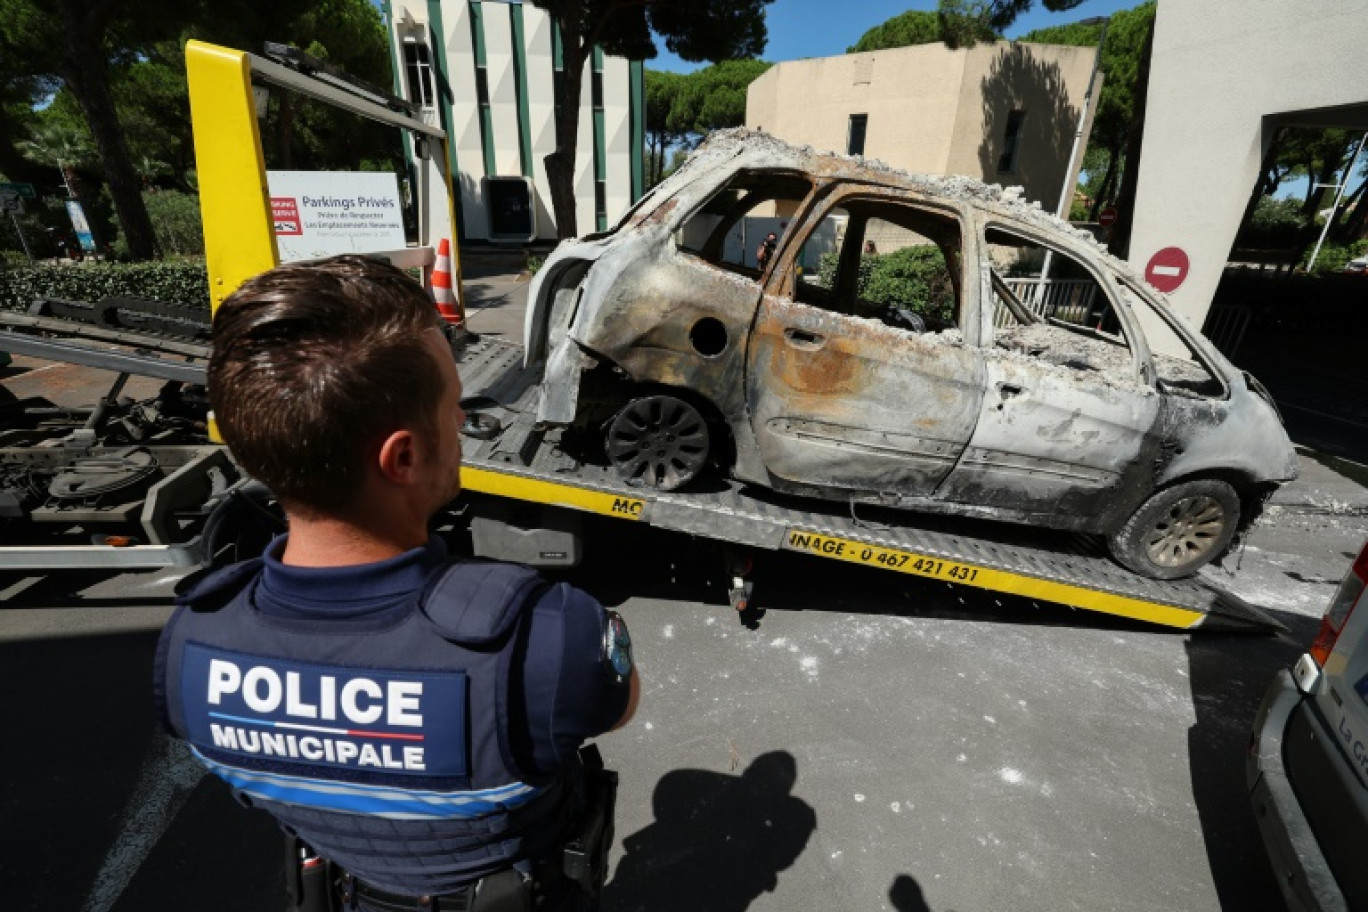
<point>319,369</point>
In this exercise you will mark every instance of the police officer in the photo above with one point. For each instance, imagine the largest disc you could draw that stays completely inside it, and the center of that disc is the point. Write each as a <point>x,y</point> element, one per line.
<point>415,721</point>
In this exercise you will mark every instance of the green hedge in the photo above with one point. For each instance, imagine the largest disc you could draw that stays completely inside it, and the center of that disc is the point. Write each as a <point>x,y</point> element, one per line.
<point>1333,257</point>
<point>172,283</point>
<point>914,277</point>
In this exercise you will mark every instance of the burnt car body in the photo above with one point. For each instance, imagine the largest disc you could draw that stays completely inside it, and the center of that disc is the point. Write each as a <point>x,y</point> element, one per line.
<point>1023,385</point>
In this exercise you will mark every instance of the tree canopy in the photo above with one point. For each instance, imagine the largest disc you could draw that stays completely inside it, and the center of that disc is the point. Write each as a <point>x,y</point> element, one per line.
<point>1116,115</point>
<point>682,107</point>
<point>903,30</point>
<point>694,30</point>
<point>966,22</point>
<point>1121,54</point>
<point>113,71</point>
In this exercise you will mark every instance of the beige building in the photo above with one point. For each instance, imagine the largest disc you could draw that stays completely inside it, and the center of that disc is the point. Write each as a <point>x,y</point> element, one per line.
<point>1003,112</point>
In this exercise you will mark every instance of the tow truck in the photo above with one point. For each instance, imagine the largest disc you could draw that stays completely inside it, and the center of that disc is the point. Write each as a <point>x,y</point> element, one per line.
<point>142,485</point>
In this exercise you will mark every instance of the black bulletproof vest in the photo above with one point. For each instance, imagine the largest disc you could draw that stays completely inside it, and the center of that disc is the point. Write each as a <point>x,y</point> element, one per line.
<point>386,749</point>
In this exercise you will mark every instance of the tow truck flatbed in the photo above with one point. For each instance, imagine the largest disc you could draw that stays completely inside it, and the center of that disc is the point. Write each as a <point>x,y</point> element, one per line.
<point>515,459</point>
<point>520,463</point>
<point>507,455</point>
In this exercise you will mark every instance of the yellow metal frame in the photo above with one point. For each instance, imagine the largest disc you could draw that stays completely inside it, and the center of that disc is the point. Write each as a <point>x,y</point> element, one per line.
<point>239,240</point>
<point>235,202</point>
<point>551,493</point>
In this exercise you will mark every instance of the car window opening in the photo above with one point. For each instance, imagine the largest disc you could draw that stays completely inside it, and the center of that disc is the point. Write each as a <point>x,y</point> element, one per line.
<point>1180,369</point>
<point>1048,305</point>
<point>732,229</point>
<point>884,260</point>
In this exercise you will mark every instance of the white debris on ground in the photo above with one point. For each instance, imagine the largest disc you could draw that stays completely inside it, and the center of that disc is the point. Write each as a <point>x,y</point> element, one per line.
<point>1275,569</point>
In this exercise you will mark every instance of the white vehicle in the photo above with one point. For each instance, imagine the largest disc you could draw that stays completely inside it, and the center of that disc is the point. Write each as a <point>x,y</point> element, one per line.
<point>1307,768</point>
<point>1027,376</point>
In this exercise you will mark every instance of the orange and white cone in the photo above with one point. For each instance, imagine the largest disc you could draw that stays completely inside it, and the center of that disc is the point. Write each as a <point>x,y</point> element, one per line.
<point>442,295</point>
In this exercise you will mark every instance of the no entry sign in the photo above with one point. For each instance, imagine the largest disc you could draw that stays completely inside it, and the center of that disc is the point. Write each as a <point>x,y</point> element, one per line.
<point>1167,269</point>
<point>1107,217</point>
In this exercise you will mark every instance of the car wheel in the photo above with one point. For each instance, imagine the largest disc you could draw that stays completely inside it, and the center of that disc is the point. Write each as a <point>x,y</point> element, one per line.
<point>658,442</point>
<point>1178,530</point>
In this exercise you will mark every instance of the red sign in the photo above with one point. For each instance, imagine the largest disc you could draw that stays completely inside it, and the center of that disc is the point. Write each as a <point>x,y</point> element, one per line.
<point>1167,269</point>
<point>285,215</point>
<point>1107,217</point>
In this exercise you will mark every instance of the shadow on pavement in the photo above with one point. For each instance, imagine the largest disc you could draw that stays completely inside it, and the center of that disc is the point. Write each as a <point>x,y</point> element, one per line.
<point>718,842</point>
<point>486,295</point>
<point>906,895</point>
<point>1229,674</point>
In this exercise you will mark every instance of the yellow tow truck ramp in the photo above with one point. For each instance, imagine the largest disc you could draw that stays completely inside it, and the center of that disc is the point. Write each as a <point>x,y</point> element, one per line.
<point>518,462</point>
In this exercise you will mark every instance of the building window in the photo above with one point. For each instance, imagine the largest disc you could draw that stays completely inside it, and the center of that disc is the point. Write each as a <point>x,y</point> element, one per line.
<point>855,137</point>
<point>481,86</point>
<point>601,204</point>
<point>1007,163</point>
<point>418,69</point>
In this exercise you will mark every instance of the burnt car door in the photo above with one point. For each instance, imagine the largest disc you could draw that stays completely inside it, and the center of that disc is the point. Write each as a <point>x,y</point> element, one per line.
<point>1067,428</point>
<point>850,388</point>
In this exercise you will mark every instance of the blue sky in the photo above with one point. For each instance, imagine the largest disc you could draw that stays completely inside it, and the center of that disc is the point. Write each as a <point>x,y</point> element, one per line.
<point>820,28</point>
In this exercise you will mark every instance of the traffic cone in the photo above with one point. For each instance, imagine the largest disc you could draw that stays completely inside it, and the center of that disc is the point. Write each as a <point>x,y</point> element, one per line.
<point>442,295</point>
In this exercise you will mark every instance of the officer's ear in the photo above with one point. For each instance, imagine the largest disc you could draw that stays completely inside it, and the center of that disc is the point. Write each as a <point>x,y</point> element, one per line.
<point>397,458</point>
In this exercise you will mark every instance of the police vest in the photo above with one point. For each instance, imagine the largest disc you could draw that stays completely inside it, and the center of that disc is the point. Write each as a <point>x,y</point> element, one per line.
<point>385,749</point>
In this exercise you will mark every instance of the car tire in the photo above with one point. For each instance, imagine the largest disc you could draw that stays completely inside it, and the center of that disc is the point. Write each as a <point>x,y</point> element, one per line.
<point>659,442</point>
<point>1178,530</point>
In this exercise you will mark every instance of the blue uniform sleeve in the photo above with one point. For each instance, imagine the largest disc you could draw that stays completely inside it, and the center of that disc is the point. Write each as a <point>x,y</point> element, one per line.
<point>571,693</point>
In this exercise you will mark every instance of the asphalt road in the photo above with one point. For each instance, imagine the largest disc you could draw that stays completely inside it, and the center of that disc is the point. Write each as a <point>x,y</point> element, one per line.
<point>871,742</point>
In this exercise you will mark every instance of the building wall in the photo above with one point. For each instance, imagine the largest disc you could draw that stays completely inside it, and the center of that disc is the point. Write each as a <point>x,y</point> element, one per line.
<point>511,137</point>
<point>1223,78</point>
<point>935,110</point>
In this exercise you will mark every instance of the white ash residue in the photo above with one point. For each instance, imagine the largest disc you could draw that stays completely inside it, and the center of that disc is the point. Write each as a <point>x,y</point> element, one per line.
<point>1057,346</point>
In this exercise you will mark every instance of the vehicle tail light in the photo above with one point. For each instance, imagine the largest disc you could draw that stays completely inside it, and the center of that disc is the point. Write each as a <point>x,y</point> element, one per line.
<point>1340,608</point>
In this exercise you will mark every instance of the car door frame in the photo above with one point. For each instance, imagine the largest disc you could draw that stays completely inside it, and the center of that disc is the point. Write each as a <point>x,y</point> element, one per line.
<point>1028,482</point>
<point>913,465</point>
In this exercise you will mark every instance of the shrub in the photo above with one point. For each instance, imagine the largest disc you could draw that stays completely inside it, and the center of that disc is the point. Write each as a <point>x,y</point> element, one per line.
<point>1333,256</point>
<point>173,283</point>
<point>915,278</point>
<point>176,219</point>
<point>1275,223</point>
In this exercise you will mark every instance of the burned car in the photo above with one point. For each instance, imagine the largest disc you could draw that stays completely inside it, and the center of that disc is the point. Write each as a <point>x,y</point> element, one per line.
<point>920,342</point>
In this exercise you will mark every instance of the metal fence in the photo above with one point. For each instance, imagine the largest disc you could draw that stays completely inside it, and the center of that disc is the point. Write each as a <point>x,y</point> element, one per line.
<point>1225,326</point>
<point>1073,300</point>
<point>1070,300</point>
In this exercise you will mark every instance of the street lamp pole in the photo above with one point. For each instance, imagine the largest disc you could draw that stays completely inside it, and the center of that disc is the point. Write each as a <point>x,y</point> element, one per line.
<point>1066,192</point>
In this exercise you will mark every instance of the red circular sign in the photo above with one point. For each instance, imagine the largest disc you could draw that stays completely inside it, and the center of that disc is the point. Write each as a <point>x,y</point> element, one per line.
<point>1107,217</point>
<point>1167,269</point>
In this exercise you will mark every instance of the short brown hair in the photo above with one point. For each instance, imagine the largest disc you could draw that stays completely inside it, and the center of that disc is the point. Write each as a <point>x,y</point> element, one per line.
<point>313,364</point>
